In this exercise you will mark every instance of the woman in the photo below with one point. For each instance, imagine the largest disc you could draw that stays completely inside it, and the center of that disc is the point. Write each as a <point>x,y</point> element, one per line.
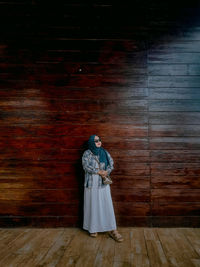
<point>98,207</point>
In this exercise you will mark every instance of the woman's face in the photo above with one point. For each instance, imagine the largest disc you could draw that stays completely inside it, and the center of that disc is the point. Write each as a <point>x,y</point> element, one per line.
<point>97,141</point>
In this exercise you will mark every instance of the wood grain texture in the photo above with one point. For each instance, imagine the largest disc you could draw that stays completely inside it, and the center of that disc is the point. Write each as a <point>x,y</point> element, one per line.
<point>62,247</point>
<point>128,72</point>
<point>70,246</point>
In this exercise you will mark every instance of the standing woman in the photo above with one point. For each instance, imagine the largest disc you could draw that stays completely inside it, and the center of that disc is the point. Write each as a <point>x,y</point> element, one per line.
<point>98,207</point>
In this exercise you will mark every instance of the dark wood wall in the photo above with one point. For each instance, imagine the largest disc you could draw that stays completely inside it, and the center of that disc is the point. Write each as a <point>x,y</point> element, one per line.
<point>127,72</point>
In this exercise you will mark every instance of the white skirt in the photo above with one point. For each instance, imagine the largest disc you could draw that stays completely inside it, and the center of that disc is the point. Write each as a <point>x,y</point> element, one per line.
<point>99,214</point>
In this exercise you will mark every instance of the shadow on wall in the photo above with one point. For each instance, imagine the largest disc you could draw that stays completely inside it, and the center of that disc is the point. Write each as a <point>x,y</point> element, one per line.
<point>80,180</point>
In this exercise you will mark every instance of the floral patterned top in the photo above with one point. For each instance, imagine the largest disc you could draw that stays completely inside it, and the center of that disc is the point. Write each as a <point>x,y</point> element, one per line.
<point>91,168</point>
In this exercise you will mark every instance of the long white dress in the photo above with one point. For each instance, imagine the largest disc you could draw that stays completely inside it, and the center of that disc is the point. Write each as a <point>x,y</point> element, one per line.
<point>99,213</point>
<point>98,209</point>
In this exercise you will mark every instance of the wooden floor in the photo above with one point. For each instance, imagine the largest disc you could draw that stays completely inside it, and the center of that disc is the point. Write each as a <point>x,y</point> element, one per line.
<point>73,247</point>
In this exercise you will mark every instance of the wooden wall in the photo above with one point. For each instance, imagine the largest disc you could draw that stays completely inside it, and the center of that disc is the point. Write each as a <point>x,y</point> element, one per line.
<point>129,73</point>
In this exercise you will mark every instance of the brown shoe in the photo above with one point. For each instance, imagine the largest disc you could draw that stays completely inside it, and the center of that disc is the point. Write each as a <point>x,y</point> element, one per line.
<point>116,236</point>
<point>93,234</point>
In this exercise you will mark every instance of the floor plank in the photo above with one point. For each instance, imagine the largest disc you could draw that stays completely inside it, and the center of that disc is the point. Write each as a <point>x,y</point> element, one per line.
<point>105,253</point>
<point>81,251</point>
<point>154,248</point>
<point>58,247</point>
<point>176,247</point>
<point>194,239</point>
<point>55,253</point>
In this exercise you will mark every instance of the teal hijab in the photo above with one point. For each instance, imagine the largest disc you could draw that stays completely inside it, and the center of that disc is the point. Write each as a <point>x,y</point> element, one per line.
<point>98,151</point>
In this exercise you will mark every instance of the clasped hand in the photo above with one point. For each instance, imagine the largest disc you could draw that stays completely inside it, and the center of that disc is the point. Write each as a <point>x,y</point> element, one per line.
<point>103,173</point>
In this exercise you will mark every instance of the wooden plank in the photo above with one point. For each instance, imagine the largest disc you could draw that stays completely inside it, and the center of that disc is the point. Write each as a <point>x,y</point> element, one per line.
<point>66,142</point>
<point>84,253</point>
<point>138,245</point>
<point>193,238</point>
<point>196,231</point>
<point>154,249</point>
<point>130,155</point>
<point>56,252</point>
<point>65,177</point>
<point>40,237</point>
<point>86,130</point>
<point>167,69</point>
<point>74,68</point>
<point>74,32</point>
<point>87,57</point>
<point>76,71</point>
<point>94,56</point>
<point>106,252</point>
<point>175,105</point>
<point>71,246</point>
<point>47,195</point>
<point>138,248</point>
<point>76,80</point>
<point>175,221</point>
<point>39,117</point>
<point>8,236</point>
<point>196,262</point>
<point>14,259</point>
<point>163,13</point>
<point>177,168</point>
<point>40,169</point>
<point>174,93</point>
<point>33,209</point>
<point>175,155</point>
<point>140,260</point>
<point>175,195</point>
<point>163,34</point>
<point>133,208</point>
<point>129,182</point>
<point>150,234</point>
<point>14,244</point>
<point>122,170</point>
<point>76,105</point>
<point>175,143</point>
<point>130,195</point>
<point>27,140</point>
<point>134,221</point>
<point>172,251</point>
<point>88,45</point>
<point>175,209</point>
<point>174,181</point>
<point>180,251</point>
<point>47,168</point>
<point>171,130</point>
<point>174,117</point>
<point>176,46</point>
<point>174,58</point>
<point>113,93</point>
<point>39,221</point>
<point>194,69</point>
<point>123,251</point>
<point>156,254</point>
<point>40,247</point>
<point>15,181</point>
<point>32,153</point>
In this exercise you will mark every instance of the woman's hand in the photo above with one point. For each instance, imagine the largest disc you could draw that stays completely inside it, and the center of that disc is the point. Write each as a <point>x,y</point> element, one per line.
<point>103,173</point>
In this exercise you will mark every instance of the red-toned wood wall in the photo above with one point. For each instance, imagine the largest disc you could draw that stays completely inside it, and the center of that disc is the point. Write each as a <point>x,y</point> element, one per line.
<point>129,73</point>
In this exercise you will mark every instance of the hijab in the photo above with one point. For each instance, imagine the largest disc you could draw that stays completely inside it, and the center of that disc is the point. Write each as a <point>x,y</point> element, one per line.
<point>98,151</point>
